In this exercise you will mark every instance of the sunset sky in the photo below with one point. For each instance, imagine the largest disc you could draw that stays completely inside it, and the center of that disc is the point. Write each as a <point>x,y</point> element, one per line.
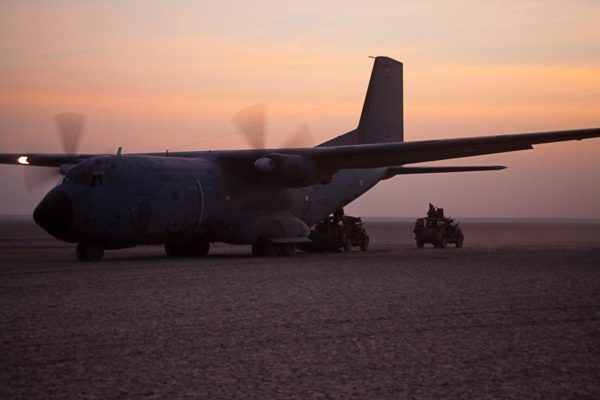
<point>156,75</point>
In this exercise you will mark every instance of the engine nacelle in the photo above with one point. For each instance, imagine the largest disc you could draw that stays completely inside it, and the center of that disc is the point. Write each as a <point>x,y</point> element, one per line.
<point>291,170</point>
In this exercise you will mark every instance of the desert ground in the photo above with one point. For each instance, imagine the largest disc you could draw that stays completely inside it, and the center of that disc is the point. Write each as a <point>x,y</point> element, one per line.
<point>514,314</point>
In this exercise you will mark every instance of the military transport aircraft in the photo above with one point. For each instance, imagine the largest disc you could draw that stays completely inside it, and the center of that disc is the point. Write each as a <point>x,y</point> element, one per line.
<point>267,198</point>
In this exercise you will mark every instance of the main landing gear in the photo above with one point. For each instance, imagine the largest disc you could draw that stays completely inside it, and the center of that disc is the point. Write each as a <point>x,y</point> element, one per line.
<point>89,252</point>
<point>268,249</point>
<point>194,249</point>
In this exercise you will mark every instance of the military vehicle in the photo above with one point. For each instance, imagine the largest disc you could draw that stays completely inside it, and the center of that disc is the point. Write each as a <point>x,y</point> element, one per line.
<point>437,230</point>
<point>337,232</point>
<point>266,198</point>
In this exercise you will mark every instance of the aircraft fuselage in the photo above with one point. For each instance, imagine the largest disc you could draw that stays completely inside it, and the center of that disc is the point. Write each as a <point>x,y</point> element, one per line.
<point>120,201</point>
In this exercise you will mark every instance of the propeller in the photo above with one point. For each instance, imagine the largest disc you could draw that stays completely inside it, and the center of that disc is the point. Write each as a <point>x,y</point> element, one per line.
<point>251,121</point>
<point>70,128</point>
<point>39,176</point>
<point>301,137</point>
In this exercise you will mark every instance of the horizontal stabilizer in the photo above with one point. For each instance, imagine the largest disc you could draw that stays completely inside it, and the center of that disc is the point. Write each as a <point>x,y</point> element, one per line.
<point>393,171</point>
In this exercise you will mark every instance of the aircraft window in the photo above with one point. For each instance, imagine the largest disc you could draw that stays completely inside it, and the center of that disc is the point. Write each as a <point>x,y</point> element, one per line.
<point>79,177</point>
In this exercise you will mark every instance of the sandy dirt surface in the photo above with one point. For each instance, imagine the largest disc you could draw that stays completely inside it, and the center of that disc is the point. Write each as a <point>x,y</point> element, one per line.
<point>514,314</point>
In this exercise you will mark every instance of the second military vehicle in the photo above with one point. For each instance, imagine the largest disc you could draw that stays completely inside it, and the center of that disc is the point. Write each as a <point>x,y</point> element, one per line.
<point>437,230</point>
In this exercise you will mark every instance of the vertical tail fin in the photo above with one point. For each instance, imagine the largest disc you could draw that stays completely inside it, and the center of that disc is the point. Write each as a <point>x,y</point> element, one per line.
<point>382,118</point>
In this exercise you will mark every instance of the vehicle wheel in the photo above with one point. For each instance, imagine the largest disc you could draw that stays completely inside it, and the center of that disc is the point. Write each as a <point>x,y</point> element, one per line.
<point>420,244</point>
<point>444,243</point>
<point>459,242</point>
<point>89,252</point>
<point>288,250</point>
<point>347,245</point>
<point>364,246</point>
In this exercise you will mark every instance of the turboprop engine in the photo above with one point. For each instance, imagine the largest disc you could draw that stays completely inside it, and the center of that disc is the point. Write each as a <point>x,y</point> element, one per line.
<point>291,170</point>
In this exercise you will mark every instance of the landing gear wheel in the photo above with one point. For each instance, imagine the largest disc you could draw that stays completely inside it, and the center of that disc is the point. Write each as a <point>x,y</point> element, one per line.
<point>89,252</point>
<point>201,248</point>
<point>257,250</point>
<point>270,249</point>
<point>288,249</point>
<point>171,250</point>
<point>194,249</point>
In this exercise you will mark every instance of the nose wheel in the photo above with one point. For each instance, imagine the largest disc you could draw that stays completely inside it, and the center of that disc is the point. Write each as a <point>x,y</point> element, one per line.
<point>89,252</point>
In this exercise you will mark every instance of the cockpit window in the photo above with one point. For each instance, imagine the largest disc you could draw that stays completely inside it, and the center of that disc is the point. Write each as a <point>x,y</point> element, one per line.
<point>85,178</point>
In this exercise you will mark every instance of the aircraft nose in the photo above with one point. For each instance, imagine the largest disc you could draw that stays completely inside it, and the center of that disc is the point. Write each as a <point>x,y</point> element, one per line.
<point>55,212</point>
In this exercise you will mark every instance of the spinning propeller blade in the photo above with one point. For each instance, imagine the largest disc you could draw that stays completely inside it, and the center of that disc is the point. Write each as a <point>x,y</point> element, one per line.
<point>38,176</point>
<point>251,121</point>
<point>302,137</point>
<point>70,127</point>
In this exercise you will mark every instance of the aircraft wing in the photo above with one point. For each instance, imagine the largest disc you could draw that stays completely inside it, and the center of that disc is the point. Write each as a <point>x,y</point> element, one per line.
<point>331,159</point>
<point>307,166</point>
<point>390,154</point>
<point>42,160</point>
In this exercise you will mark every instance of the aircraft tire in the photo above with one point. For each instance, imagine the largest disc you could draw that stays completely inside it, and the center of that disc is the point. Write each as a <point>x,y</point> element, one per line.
<point>270,249</point>
<point>256,250</point>
<point>179,250</point>
<point>287,250</point>
<point>89,252</point>
<point>172,250</point>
